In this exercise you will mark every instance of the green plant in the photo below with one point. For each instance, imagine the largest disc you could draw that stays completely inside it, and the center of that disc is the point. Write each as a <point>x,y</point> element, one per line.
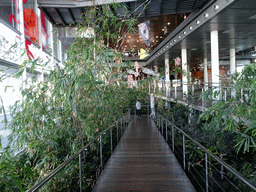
<point>237,114</point>
<point>57,117</point>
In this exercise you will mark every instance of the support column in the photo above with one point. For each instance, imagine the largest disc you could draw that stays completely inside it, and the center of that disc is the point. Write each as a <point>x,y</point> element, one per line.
<point>215,59</point>
<point>185,71</point>
<point>167,75</point>
<point>40,77</point>
<point>52,45</point>
<point>205,73</point>
<point>22,30</point>
<point>232,61</point>
<point>205,69</point>
<point>157,80</point>
<point>233,68</point>
<point>60,51</point>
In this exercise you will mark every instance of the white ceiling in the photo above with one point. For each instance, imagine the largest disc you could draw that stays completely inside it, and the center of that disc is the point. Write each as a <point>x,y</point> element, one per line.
<point>235,26</point>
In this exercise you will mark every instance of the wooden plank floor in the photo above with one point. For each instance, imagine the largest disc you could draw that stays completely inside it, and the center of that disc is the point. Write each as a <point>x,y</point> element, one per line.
<point>142,161</point>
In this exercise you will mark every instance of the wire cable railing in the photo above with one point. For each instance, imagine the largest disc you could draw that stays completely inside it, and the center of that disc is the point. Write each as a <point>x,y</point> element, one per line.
<point>195,91</point>
<point>88,161</point>
<point>206,171</point>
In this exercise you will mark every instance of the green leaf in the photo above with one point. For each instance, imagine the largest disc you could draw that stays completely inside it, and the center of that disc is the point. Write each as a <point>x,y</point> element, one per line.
<point>6,87</point>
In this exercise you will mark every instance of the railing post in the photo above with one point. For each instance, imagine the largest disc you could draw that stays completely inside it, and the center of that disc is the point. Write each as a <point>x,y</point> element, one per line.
<point>202,100</point>
<point>225,96</point>
<point>161,123</point>
<point>166,138</point>
<point>221,168</point>
<point>117,131</point>
<point>175,91</point>
<point>80,173</point>
<point>101,162</point>
<point>172,138</point>
<point>206,172</point>
<point>242,92</point>
<point>121,126</point>
<point>184,157</point>
<point>162,126</point>
<point>221,93</point>
<point>111,140</point>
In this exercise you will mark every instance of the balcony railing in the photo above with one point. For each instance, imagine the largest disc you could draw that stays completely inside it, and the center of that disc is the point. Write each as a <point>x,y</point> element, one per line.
<point>206,171</point>
<point>194,92</point>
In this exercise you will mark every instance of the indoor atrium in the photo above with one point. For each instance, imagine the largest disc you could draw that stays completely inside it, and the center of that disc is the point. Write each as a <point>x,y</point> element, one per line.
<point>128,95</point>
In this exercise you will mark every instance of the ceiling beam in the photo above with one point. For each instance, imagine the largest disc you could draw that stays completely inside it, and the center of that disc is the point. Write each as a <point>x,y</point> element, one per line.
<point>72,16</point>
<point>178,5</point>
<point>47,15</point>
<point>194,5</point>
<point>161,7</point>
<point>74,4</point>
<point>61,18</point>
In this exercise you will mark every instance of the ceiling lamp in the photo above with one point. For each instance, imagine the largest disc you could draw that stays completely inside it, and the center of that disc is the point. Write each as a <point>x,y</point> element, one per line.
<point>216,7</point>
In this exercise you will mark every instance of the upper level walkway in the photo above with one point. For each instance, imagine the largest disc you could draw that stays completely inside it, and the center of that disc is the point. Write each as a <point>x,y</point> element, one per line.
<point>142,161</point>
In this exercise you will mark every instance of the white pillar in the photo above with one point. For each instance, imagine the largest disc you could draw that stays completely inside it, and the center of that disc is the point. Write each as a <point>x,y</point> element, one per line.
<point>40,77</point>
<point>22,30</point>
<point>233,68</point>
<point>215,58</point>
<point>205,73</point>
<point>60,51</point>
<point>185,71</point>
<point>167,75</point>
<point>232,61</point>
<point>156,69</point>
<point>167,72</point>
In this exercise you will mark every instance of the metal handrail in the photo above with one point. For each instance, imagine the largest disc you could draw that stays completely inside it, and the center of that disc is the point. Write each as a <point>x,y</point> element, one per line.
<point>55,171</point>
<point>228,167</point>
<point>171,93</point>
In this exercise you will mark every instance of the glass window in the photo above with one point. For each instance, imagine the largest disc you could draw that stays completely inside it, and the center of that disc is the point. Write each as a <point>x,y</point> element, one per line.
<point>30,20</point>
<point>45,33</point>
<point>9,12</point>
<point>55,43</point>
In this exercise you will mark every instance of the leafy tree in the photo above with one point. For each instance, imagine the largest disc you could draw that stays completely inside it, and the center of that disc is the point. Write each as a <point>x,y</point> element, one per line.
<point>58,116</point>
<point>237,114</point>
<point>231,123</point>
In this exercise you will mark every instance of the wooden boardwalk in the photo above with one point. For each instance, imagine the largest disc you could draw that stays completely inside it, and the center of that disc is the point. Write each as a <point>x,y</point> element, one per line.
<point>142,161</point>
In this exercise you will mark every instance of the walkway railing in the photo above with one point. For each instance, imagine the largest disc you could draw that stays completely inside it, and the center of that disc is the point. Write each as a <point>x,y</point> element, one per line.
<point>89,161</point>
<point>195,91</point>
<point>206,171</point>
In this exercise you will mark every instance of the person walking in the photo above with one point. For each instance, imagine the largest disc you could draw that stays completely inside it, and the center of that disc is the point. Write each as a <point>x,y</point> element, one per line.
<point>138,109</point>
<point>153,114</point>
